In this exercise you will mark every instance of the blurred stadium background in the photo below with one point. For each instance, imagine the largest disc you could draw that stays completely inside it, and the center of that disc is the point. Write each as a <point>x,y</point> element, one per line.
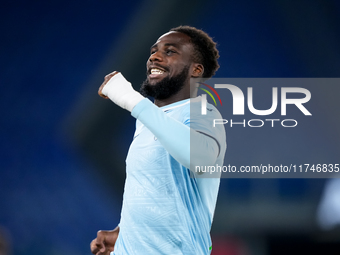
<point>63,148</point>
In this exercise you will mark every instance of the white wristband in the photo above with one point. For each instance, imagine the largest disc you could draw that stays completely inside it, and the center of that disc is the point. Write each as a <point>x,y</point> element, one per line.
<point>120,91</point>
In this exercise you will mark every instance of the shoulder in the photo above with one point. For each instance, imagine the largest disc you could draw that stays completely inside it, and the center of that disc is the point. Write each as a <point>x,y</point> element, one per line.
<point>204,113</point>
<point>190,111</point>
<point>197,107</point>
<point>204,123</point>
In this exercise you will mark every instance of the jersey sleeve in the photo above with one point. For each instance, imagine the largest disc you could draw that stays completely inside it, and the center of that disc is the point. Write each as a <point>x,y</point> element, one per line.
<point>179,138</point>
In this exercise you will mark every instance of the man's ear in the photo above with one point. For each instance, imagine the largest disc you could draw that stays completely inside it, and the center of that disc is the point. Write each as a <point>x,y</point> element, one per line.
<point>197,70</point>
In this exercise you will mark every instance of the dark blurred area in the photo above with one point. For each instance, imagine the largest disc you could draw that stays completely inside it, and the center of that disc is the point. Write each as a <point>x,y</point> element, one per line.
<point>63,148</point>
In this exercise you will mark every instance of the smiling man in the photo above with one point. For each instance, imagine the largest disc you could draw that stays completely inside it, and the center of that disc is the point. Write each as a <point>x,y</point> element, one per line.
<point>167,207</point>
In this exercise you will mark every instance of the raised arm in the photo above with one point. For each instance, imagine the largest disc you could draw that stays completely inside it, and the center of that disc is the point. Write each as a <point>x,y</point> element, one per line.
<point>176,137</point>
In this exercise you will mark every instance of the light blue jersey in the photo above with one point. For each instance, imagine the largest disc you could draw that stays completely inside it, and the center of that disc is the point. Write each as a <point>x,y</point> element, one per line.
<point>164,210</point>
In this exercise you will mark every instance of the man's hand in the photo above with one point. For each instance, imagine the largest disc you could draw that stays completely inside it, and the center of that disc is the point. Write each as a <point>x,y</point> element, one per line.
<point>120,91</point>
<point>105,242</point>
<point>106,79</point>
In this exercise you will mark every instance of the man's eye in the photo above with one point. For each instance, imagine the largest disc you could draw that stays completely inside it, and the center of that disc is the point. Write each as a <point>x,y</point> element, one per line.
<point>169,52</point>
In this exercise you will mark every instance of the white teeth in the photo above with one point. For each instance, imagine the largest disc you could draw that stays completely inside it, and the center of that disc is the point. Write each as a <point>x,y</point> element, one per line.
<point>156,71</point>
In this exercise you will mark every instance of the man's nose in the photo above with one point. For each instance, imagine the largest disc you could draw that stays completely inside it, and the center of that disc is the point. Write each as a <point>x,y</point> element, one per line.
<point>156,56</point>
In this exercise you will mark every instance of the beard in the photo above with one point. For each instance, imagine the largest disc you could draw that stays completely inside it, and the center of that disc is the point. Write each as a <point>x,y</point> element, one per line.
<point>165,88</point>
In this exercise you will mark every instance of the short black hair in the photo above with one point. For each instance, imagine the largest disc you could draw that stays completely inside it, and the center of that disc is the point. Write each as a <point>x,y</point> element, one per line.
<point>206,52</point>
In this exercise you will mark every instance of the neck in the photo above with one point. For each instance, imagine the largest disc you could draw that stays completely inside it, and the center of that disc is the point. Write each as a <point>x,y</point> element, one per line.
<point>183,94</point>
<point>188,91</point>
<point>170,100</point>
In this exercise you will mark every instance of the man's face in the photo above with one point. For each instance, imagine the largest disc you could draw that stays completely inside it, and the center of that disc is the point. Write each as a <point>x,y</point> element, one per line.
<point>169,65</point>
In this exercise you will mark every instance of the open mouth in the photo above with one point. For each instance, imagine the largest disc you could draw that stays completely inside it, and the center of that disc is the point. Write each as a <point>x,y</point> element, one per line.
<point>155,72</point>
